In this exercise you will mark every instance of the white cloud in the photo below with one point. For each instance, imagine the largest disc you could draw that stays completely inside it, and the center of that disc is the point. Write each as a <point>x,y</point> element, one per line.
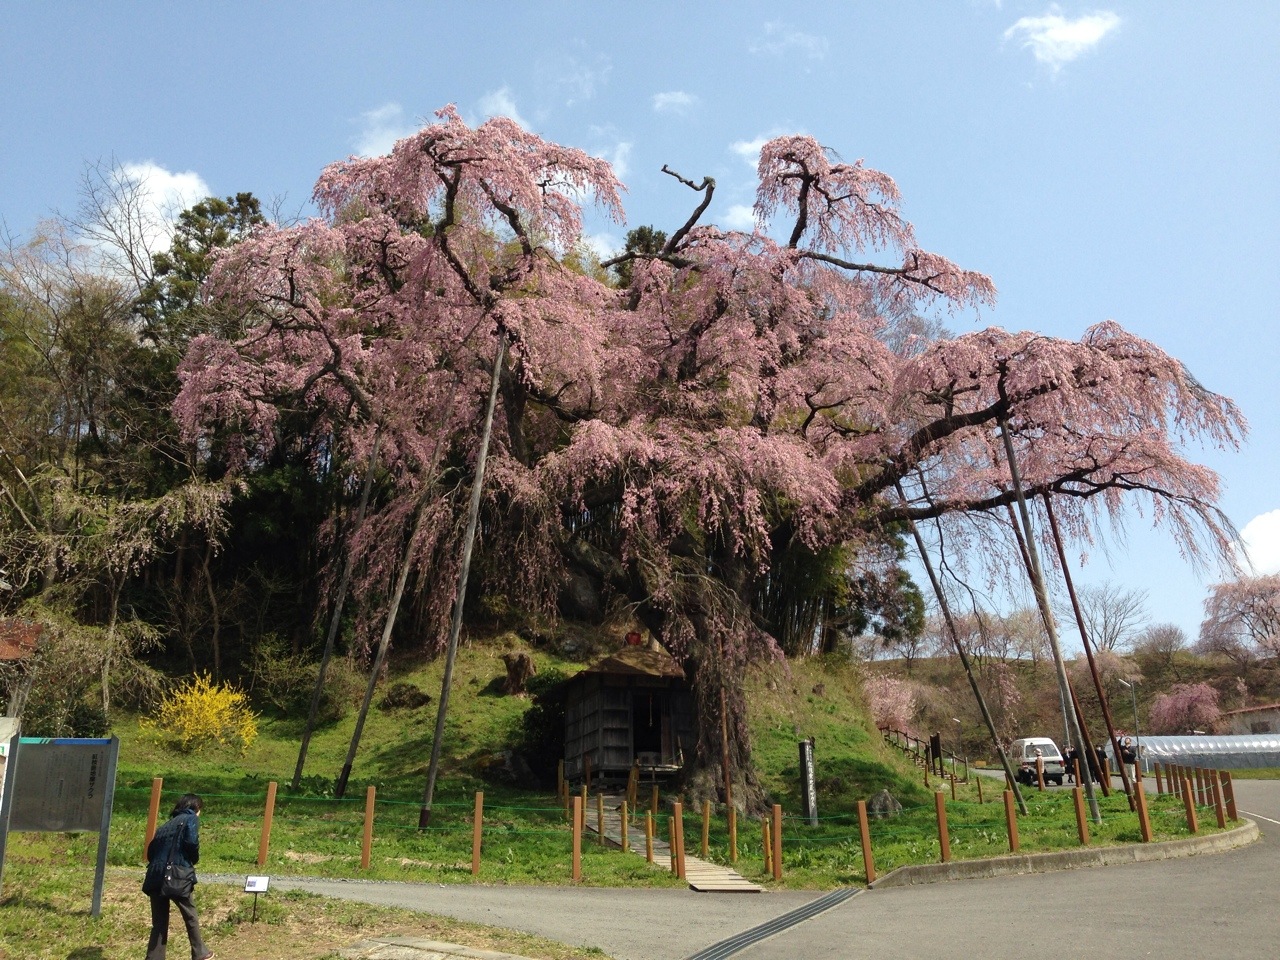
<point>749,150</point>
<point>1055,40</point>
<point>500,103</point>
<point>674,101</point>
<point>740,216</point>
<point>780,39</point>
<point>578,80</point>
<point>165,193</point>
<point>603,245</point>
<point>382,127</point>
<point>1260,540</point>
<point>619,156</point>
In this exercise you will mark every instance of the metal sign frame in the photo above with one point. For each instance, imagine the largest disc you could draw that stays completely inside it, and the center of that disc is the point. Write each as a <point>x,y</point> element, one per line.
<point>99,773</point>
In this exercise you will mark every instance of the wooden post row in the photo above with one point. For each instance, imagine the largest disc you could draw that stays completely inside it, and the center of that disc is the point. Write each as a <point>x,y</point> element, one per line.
<point>1229,795</point>
<point>1216,789</point>
<point>267,816</point>
<point>1144,817</point>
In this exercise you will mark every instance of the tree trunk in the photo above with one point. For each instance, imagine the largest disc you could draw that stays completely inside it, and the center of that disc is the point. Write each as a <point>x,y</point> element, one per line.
<point>520,668</point>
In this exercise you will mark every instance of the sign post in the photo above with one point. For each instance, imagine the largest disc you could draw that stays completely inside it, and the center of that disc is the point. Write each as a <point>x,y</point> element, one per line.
<point>60,786</point>
<point>808,782</point>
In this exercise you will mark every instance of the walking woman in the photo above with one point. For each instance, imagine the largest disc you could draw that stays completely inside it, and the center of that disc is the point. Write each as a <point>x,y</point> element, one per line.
<point>171,857</point>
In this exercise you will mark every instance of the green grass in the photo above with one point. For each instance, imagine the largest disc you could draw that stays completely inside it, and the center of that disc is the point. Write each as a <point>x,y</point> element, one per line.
<point>526,836</point>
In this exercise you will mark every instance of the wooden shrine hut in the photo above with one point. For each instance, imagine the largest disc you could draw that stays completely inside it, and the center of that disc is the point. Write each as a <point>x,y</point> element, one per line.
<point>631,708</point>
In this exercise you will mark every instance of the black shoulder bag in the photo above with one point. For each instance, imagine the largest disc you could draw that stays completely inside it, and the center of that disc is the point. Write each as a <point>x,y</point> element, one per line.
<point>179,879</point>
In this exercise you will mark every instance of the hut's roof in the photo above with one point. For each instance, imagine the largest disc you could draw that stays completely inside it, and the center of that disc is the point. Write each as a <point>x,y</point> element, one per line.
<point>638,662</point>
<point>18,639</point>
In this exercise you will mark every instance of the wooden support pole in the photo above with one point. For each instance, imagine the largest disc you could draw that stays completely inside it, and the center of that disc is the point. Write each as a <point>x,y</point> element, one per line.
<point>626,824</point>
<point>653,803</point>
<point>777,841</point>
<point>477,829</point>
<point>671,846</point>
<point>153,815</point>
<point>706,829</point>
<point>733,834</point>
<point>1229,795</point>
<point>1140,804</point>
<point>577,839</point>
<point>944,837</point>
<point>267,816</point>
<point>366,843</point>
<point>600,817</point>
<point>648,835</point>
<point>978,783</point>
<point>1189,802</point>
<point>953,789</point>
<point>560,784</point>
<point>1219,811</point>
<point>1159,781</point>
<point>1011,821</point>
<point>864,833</point>
<point>1082,820</point>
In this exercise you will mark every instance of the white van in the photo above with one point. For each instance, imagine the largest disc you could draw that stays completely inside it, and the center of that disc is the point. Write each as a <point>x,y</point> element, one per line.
<point>1022,756</point>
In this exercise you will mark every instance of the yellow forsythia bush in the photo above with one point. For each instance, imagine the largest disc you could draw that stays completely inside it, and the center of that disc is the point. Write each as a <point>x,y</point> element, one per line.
<point>200,712</point>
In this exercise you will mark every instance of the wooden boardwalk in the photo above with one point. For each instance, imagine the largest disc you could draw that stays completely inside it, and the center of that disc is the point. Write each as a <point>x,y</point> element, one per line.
<point>701,875</point>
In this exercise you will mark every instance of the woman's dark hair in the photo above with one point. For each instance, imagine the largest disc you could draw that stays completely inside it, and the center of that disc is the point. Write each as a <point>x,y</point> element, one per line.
<point>187,803</point>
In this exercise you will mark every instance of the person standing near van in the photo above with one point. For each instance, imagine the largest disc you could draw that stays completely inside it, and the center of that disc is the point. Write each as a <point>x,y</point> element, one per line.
<point>171,858</point>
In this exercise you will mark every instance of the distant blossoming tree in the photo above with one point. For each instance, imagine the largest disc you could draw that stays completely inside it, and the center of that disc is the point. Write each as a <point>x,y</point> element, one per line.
<point>892,702</point>
<point>1242,618</point>
<point>1185,707</point>
<point>672,439</point>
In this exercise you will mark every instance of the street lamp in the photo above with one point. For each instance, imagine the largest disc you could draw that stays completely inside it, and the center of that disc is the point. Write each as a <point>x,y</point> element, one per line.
<point>1137,736</point>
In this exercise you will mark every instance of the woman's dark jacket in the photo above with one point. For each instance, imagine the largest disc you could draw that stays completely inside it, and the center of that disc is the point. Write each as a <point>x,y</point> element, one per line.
<point>181,835</point>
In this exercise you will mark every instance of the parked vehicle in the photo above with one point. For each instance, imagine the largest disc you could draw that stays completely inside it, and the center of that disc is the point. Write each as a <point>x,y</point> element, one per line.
<point>1023,753</point>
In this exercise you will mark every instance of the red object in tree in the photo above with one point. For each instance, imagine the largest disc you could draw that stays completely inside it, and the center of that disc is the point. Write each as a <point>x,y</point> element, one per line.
<point>633,638</point>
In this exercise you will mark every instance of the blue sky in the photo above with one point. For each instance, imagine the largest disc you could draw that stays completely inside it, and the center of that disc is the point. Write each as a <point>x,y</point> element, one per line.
<point>1119,160</point>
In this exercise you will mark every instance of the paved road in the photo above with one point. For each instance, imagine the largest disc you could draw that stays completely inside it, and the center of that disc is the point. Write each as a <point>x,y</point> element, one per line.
<point>1221,906</point>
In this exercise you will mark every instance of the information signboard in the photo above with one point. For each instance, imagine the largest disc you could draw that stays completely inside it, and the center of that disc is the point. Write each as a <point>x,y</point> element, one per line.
<point>60,786</point>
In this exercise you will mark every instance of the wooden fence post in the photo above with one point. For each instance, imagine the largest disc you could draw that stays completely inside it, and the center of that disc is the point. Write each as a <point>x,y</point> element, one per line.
<point>1229,794</point>
<point>978,783</point>
<point>1216,789</point>
<point>1082,822</point>
<point>953,788</point>
<point>678,812</point>
<point>268,814</point>
<point>648,835</point>
<point>626,826</point>
<point>1189,801</point>
<point>1011,821</point>
<point>1159,780</point>
<point>153,815</point>
<point>864,832</point>
<point>733,834</point>
<point>477,826</point>
<point>777,841</point>
<point>577,838</point>
<point>767,843</point>
<point>671,845</point>
<point>600,817</point>
<point>653,803</point>
<point>706,828</point>
<point>1144,816</point>
<point>366,843</point>
<point>944,838</point>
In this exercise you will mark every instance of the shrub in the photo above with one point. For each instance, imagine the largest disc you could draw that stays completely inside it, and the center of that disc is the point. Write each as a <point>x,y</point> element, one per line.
<point>200,712</point>
<point>404,696</point>
<point>287,682</point>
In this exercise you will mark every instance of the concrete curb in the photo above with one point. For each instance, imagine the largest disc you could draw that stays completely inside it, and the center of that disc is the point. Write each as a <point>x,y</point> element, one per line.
<point>416,948</point>
<point>1014,864</point>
